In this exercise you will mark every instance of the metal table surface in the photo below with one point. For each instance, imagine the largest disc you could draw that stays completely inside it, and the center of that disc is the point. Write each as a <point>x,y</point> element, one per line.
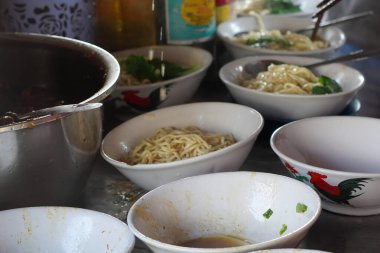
<point>110,192</point>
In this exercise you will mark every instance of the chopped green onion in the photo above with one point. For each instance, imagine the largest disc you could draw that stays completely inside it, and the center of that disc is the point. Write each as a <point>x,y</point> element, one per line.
<point>283,229</point>
<point>268,213</point>
<point>301,208</point>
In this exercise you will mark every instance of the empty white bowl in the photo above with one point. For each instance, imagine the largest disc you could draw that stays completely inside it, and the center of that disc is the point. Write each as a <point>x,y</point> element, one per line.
<point>242,122</point>
<point>62,230</point>
<point>338,156</point>
<point>285,107</point>
<point>225,31</point>
<point>233,204</point>
<point>148,97</point>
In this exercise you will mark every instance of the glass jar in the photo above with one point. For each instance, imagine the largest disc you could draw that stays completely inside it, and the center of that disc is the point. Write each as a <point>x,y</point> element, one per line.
<point>122,24</point>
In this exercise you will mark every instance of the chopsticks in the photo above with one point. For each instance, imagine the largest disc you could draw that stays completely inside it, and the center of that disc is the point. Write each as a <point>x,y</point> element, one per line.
<point>324,6</point>
<point>336,21</point>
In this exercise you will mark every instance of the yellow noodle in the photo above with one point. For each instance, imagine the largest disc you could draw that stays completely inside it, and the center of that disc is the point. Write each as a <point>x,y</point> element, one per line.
<point>172,144</point>
<point>299,42</point>
<point>283,78</point>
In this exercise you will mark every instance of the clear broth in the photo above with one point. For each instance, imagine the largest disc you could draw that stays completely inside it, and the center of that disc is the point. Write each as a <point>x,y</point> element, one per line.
<point>219,241</point>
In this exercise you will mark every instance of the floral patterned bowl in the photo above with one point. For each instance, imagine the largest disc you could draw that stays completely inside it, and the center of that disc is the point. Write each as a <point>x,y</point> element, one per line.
<point>336,155</point>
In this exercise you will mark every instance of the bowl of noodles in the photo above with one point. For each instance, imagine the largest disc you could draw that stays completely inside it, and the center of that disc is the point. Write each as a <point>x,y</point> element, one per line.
<point>259,35</point>
<point>289,91</point>
<point>170,143</point>
<point>154,77</point>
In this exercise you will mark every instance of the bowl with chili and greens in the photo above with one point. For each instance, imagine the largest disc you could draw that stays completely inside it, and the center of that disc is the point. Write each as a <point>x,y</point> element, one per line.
<point>154,77</point>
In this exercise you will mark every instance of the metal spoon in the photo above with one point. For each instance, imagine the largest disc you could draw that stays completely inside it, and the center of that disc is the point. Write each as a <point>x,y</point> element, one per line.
<point>250,70</point>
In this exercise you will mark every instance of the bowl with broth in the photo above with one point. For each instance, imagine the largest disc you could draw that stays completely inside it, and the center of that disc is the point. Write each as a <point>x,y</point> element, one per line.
<point>237,211</point>
<point>183,140</point>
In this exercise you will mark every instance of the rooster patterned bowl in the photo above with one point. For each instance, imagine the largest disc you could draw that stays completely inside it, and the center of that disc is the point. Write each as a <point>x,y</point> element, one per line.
<point>232,212</point>
<point>242,122</point>
<point>338,156</point>
<point>158,94</point>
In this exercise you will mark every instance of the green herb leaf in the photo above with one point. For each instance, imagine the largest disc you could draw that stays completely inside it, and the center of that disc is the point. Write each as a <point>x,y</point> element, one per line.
<point>301,208</point>
<point>283,229</point>
<point>327,86</point>
<point>153,70</point>
<point>265,40</point>
<point>282,6</point>
<point>330,84</point>
<point>268,213</point>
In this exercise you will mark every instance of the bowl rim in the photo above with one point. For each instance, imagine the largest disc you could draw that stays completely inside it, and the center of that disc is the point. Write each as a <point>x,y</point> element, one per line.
<point>226,39</point>
<point>302,13</point>
<point>242,61</point>
<point>295,162</point>
<point>208,59</point>
<point>175,248</point>
<point>149,167</point>
<point>84,212</point>
<point>109,61</point>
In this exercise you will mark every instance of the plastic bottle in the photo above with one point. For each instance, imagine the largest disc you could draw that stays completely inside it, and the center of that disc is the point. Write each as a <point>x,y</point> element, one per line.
<point>189,22</point>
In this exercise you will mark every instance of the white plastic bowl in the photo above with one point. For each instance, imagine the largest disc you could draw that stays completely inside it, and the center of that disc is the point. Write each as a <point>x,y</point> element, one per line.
<point>308,8</point>
<point>338,156</point>
<point>285,107</point>
<point>228,29</point>
<point>243,122</point>
<point>175,91</point>
<point>62,230</point>
<point>230,203</point>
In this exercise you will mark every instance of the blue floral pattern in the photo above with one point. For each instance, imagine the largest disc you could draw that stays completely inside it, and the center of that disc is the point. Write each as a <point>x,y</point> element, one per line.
<point>65,18</point>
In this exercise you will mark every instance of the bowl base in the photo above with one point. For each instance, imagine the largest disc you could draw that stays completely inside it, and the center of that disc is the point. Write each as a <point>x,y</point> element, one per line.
<point>349,210</point>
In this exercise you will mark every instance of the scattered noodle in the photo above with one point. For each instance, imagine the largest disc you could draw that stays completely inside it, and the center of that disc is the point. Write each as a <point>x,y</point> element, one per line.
<point>283,78</point>
<point>170,144</point>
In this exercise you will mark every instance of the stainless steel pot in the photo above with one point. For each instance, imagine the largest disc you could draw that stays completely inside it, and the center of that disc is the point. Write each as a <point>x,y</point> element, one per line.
<point>46,161</point>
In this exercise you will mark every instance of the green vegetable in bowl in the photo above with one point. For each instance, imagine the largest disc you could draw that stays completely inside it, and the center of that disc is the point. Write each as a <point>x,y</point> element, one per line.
<point>282,6</point>
<point>263,41</point>
<point>153,70</point>
<point>327,86</point>
<point>301,208</point>
<point>283,229</point>
<point>268,213</point>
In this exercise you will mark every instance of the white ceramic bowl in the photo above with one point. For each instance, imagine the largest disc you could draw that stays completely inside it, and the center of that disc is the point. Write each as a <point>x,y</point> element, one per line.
<point>62,230</point>
<point>241,121</point>
<point>290,251</point>
<point>175,91</point>
<point>285,107</point>
<point>229,204</point>
<point>228,29</point>
<point>308,8</point>
<point>338,156</point>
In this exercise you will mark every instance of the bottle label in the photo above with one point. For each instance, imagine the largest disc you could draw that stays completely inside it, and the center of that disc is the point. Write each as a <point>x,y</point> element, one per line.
<point>190,21</point>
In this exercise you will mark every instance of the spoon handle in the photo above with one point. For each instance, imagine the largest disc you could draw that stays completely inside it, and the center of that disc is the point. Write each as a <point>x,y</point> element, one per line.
<point>336,21</point>
<point>357,55</point>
